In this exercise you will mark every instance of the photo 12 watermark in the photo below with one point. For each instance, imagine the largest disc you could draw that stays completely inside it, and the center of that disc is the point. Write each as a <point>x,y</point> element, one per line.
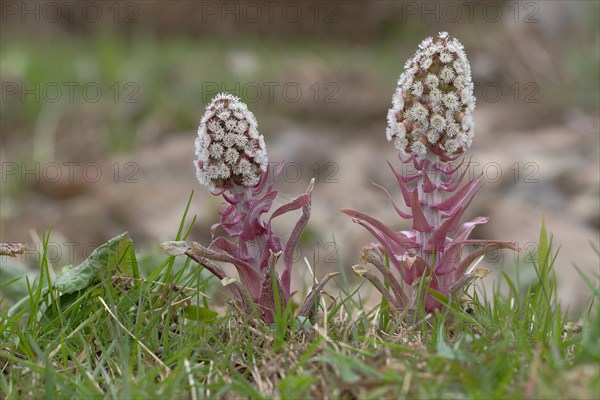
<point>513,92</point>
<point>293,172</point>
<point>58,253</point>
<point>68,172</point>
<point>270,12</point>
<point>54,12</point>
<point>274,91</point>
<point>492,172</point>
<point>69,92</point>
<point>430,12</point>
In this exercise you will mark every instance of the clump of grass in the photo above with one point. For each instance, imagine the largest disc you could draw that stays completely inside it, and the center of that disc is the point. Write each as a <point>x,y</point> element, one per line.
<point>156,337</point>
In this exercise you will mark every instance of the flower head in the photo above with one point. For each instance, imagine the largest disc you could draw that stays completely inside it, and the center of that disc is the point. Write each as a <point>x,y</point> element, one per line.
<point>229,149</point>
<point>434,90</point>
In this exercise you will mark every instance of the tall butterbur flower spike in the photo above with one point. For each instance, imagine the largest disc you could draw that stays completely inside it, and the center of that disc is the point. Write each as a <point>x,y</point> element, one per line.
<point>232,162</point>
<point>432,108</point>
<point>431,123</point>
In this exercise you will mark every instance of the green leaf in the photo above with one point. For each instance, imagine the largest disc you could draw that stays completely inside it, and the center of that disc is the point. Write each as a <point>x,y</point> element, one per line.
<point>197,313</point>
<point>117,252</point>
<point>64,301</point>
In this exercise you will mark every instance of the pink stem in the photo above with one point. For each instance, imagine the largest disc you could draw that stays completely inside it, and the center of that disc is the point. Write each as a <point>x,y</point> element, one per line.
<point>432,215</point>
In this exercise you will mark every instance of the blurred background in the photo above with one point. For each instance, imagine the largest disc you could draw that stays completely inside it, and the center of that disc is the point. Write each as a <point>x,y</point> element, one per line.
<point>100,102</point>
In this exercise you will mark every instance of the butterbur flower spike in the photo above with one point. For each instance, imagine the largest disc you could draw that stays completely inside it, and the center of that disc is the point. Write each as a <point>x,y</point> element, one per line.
<point>230,152</point>
<point>431,123</point>
<point>232,163</point>
<point>432,108</point>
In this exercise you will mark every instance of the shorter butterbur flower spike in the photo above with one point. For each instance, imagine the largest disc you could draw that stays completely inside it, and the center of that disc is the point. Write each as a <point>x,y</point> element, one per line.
<point>431,121</point>
<point>229,149</point>
<point>232,162</point>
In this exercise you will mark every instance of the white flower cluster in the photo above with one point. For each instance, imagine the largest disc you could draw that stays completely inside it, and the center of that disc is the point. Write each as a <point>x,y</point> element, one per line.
<point>434,102</point>
<point>229,148</point>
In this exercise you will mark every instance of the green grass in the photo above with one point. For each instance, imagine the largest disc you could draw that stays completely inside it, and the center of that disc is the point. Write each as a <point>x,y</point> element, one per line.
<point>126,336</point>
